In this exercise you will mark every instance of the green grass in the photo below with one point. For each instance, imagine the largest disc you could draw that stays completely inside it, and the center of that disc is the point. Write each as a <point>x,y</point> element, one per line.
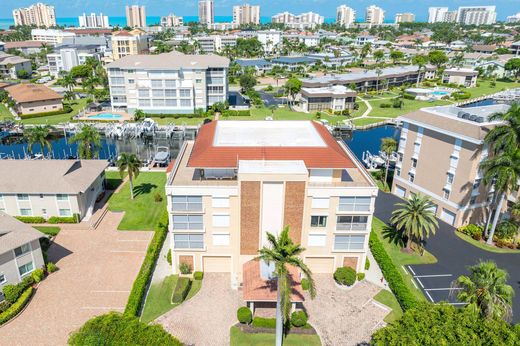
<point>60,118</point>
<point>238,338</point>
<point>362,107</point>
<point>409,106</point>
<point>4,113</point>
<point>143,212</point>
<point>484,246</point>
<point>113,179</point>
<point>48,230</point>
<point>485,88</point>
<point>366,121</point>
<point>387,298</point>
<point>401,258</point>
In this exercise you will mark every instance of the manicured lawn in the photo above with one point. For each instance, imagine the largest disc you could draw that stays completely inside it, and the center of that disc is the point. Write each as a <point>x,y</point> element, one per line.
<point>485,88</point>
<point>4,113</point>
<point>143,212</point>
<point>48,230</point>
<point>409,106</point>
<point>483,245</point>
<point>60,118</point>
<point>113,179</point>
<point>387,298</point>
<point>399,257</point>
<point>238,338</point>
<point>366,121</point>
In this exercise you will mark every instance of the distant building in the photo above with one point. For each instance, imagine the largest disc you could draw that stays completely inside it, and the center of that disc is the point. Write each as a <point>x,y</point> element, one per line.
<point>301,21</point>
<point>93,21</point>
<point>477,15</point>
<point>345,16</point>
<point>10,65</point>
<point>374,15</point>
<point>31,98</point>
<point>38,14</point>
<point>66,57</point>
<point>246,14</point>
<point>51,36</point>
<point>26,47</point>
<point>216,43</point>
<point>172,20</point>
<point>337,98</point>
<point>2,46</point>
<point>270,39</point>
<point>405,18</point>
<point>136,16</point>
<point>437,14</point>
<point>129,43</point>
<point>460,76</point>
<point>515,48</point>
<point>206,12</point>
<point>513,19</point>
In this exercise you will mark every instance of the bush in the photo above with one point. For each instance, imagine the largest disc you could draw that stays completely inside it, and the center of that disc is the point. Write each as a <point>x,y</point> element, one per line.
<point>244,315</point>
<point>474,231</point>
<point>157,197</point>
<point>38,275</point>
<point>12,292</point>
<point>31,219</point>
<point>181,290</point>
<point>345,276</point>
<point>135,299</point>
<point>367,264</point>
<point>117,329</point>
<point>305,284</point>
<point>408,97</point>
<point>4,305</point>
<point>51,267</point>
<point>15,308</point>
<point>385,105</point>
<point>461,95</point>
<point>395,281</point>
<point>261,322</point>
<point>67,219</point>
<point>66,109</point>
<point>299,318</point>
<point>184,268</point>
<point>198,275</point>
<point>169,257</point>
<point>360,276</point>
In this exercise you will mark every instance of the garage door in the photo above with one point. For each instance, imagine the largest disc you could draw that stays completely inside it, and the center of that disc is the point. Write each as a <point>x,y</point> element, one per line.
<point>320,264</point>
<point>217,264</point>
<point>399,191</point>
<point>448,217</point>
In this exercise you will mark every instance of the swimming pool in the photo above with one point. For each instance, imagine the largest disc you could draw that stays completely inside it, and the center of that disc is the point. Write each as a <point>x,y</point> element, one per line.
<point>106,116</point>
<point>440,93</point>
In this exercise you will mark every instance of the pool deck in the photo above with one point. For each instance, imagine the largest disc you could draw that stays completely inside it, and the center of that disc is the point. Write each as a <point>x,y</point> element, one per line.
<point>88,116</point>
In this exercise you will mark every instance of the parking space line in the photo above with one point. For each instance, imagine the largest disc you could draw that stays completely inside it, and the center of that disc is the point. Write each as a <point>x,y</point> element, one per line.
<point>432,276</point>
<point>442,289</point>
<point>419,281</point>
<point>429,296</point>
<point>410,268</point>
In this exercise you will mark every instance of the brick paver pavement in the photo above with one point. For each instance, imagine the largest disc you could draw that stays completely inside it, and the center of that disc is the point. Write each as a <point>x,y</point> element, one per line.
<point>97,270</point>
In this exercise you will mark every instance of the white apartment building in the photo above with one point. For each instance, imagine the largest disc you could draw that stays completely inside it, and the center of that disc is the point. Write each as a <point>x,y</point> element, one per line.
<point>66,58</point>
<point>477,15</point>
<point>404,17</point>
<point>136,16</point>
<point>93,20</point>
<point>437,14</point>
<point>345,16</point>
<point>513,19</point>
<point>51,36</point>
<point>246,14</point>
<point>172,20</point>
<point>270,39</point>
<point>374,15</point>
<point>301,21</point>
<point>170,83</point>
<point>206,12</point>
<point>38,14</point>
<point>216,43</point>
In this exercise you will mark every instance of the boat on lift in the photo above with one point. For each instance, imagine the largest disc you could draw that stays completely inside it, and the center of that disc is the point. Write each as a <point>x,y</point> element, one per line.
<point>162,156</point>
<point>149,126</point>
<point>372,161</point>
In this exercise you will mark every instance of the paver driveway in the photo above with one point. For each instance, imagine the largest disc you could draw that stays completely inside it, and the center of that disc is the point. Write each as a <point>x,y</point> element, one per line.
<point>344,317</point>
<point>206,318</point>
<point>97,270</point>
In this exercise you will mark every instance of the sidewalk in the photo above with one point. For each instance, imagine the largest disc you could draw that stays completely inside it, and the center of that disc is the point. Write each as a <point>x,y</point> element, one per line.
<point>374,273</point>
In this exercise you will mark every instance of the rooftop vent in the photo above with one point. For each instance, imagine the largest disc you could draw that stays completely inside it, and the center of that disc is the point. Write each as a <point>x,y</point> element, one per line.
<point>480,119</point>
<point>473,117</point>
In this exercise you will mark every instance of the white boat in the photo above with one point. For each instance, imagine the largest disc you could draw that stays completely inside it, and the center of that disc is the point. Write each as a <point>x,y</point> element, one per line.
<point>372,161</point>
<point>162,156</point>
<point>118,131</point>
<point>149,126</point>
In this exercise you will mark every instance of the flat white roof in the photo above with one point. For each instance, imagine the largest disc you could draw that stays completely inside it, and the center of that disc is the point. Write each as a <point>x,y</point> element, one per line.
<point>267,134</point>
<point>275,167</point>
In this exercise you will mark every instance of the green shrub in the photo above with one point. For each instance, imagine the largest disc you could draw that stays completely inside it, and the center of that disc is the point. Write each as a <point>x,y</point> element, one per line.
<point>360,276</point>
<point>38,275</point>
<point>15,308</point>
<point>299,318</point>
<point>135,299</point>
<point>305,284</point>
<point>367,264</point>
<point>31,219</point>
<point>169,257</point>
<point>385,105</point>
<point>244,315</point>
<point>472,230</point>
<point>261,322</point>
<point>4,305</point>
<point>64,219</point>
<point>66,109</point>
<point>117,329</point>
<point>345,276</point>
<point>408,97</point>
<point>198,275</point>
<point>12,292</point>
<point>181,290</point>
<point>461,95</point>
<point>157,197</point>
<point>392,275</point>
<point>185,268</point>
<point>51,267</point>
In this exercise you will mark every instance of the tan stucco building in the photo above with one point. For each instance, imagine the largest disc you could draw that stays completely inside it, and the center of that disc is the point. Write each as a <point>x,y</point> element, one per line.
<point>129,43</point>
<point>32,98</point>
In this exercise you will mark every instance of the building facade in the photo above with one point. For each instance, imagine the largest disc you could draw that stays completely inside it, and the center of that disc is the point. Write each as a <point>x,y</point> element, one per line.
<point>11,65</point>
<point>477,15</point>
<point>206,12</point>
<point>374,15</point>
<point>270,39</point>
<point>69,56</point>
<point>336,98</point>
<point>345,16</point>
<point>38,14</point>
<point>246,14</point>
<point>136,16</point>
<point>172,20</point>
<point>129,43</point>
<point>33,99</point>
<point>51,36</point>
<point>216,43</point>
<point>460,76</point>
<point>239,180</point>
<point>404,17</point>
<point>300,21</point>
<point>93,20</point>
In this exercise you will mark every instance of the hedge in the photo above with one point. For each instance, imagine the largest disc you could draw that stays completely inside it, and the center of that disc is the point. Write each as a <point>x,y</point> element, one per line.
<point>299,318</point>
<point>391,273</point>
<point>198,275</point>
<point>66,110</point>
<point>136,297</point>
<point>235,113</point>
<point>64,219</point>
<point>31,219</point>
<point>18,306</point>
<point>181,290</point>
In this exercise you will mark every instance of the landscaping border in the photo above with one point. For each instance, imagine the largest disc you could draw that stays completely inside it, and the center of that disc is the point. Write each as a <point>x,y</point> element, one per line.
<point>17,308</point>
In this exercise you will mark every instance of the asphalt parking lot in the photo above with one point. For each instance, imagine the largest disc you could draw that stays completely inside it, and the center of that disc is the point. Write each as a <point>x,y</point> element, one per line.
<point>436,285</point>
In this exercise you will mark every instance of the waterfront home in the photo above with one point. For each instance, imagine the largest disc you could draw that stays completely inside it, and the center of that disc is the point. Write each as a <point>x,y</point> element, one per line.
<point>460,76</point>
<point>49,188</point>
<point>335,98</point>
<point>20,252</point>
<point>10,65</point>
<point>32,98</point>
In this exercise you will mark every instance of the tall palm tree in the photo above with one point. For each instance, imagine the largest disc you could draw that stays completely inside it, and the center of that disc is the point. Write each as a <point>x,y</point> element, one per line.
<point>486,290</point>
<point>131,164</point>
<point>69,82</point>
<point>505,137</point>
<point>89,141</point>
<point>283,252</point>
<point>69,96</point>
<point>38,134</point>
<point>420,61</point>
<point>388,146</point>
<point>415,218</point>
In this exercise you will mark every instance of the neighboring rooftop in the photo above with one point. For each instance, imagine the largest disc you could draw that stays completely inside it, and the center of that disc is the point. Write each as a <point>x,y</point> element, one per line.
<point>6,59</point>
<point>461,71</point>
<point>23,44</point>
<point>32,93</point>
<point>14,233</point>
<point>172,60</point>
<point>333,90</point>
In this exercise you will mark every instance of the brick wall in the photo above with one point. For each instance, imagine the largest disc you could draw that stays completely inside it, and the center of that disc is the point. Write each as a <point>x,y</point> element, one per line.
<point>293,208</point>
<point>249,217</point>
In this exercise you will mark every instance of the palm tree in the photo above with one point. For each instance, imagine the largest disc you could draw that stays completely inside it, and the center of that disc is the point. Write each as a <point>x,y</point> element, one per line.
<point>131,164</point>
<point>89,141</point>
<point>283,252</point>
<point>38,134</point>
<point>139,114</point>
<point>69,96</point>
<point>420,61</point>
<point>415,218</point>
<point>505,137</point>
<point>486,290</point>
<point>388,146</point>
<point>68,82</point>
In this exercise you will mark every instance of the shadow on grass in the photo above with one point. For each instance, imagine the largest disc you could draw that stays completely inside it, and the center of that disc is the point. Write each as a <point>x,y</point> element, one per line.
<point>394,236</point>
<point>144,188</point>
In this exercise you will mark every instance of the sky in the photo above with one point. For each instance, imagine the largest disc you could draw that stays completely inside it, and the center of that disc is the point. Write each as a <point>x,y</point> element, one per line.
<point>327,8</point>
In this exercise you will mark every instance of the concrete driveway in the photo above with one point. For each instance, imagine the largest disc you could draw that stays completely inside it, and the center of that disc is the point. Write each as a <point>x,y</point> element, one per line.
<point>206,318</point>
<point>97,270</point>
<point>344,317</point>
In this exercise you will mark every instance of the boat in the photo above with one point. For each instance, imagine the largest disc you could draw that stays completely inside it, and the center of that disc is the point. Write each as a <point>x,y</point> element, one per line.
<point>118,131</point>
<point>149,126</point>
<point>372,161</point>
<point>162,156</point>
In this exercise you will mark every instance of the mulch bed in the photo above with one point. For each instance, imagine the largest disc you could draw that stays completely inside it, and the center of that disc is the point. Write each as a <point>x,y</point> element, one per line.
<point>245,328</point>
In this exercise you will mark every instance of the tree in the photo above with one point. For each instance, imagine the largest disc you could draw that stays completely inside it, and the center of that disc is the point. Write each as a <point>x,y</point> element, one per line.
<point>162,47</point>
<point>437,58</point>
<point>282,252</point>
<point>139,114</point>
<point>80,71</point>
<point>68,82</point>
<point>506,136</point>
<point>23,74</point>
<point>131,164</point>
<point>379,55</point>
<point>513,65</point>
<point>420,61</point>
<point>38,134</point>
<point>292,87</point>
<point>88,140</point>
<point>69,96</point>
<point>365,50</point>
<point>415,218</point>
<point>486,291</point>
<point>396,55</point>
<point>247,82</point>
<point>388,146</point>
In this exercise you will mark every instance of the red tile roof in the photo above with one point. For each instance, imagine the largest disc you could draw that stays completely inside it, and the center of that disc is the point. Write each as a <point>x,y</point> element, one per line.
<point>206,155</point>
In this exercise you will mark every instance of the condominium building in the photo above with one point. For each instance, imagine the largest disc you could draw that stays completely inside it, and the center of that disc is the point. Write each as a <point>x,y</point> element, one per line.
<point>129,43</point>
<point>460,76</point>
<point>246,14</point>
<point>300,21</point>
<point>11,65</point>
<point>135,16</point>
<point>270,39</point>
<point>241,179</point>
<point>514,18</point>
<point>51,36</point>
<point>170,83</point>
<point>38,14</point>
<point>374,15</point>
<point>206,12</point>
<point>335,98</point>
<point>172,20</point>
<point>345,16</point>
<point>477,15</point>
<point>404,17</point>
<point>93,20</point>
<point>440,151</point>
<point>66,57</point>
<point>437,14</point>
<point>216,43</point>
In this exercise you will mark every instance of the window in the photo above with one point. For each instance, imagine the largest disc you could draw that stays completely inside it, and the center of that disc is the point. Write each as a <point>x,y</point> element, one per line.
<point>449,178</point>
<point>2,278</point>
<point>220,202</point>
<point>117,81</point>
<point>44,211</point>
<point>22,250</point>
<point>184,92</point>
<point>26,269</point>
<point>221,220</point>
<point>220,239</point>
<point>143,93</point>
<point>171,102</point>
<point>320,203</point>
<point>446,193</point>
<point>398,171</point>
<point>131,81</point>
<point>22,197</point>
<point>65,212</point>
<point>354,203</point>
<point>188,241</point>
<point>473,200</point>
<point>25,212</point>
<point>349,242</point>
<point>198,80</point>
<point>411,177</point>
<point>414,162</point>
<point>317,240</point>
<point>144,103</point>
<point>169,83</point>
<point>157,83</point>
<point>157,93</point>
<point>187,203</point>
<point>41,195</point>
<point>61,197</point>
<point>351,223</point>
<point>185,103</point>
<point>318,221</point>
<point>188,222</point>
<point>170,93</point>
<point>476,184</point>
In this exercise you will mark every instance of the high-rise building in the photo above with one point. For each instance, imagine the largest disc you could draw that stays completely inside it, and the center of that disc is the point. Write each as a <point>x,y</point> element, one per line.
<point>374,15</point>
<point>206,12</point>
<point>38,14</point>
<point>246,14</point>
<point>93,21</point>
<point>135,16</point>
<point>513,19</point>
<point>345,16</point>
<point>301,21</point>
<point>172,20</point>
<point>441,15</point>
<point>477,15</point>
<point>404,17</point>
